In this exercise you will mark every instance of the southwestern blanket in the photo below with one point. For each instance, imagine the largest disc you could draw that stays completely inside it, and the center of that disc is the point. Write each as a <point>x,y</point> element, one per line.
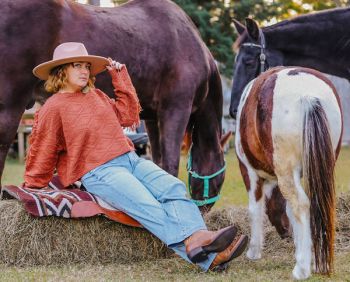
<point>72,202</point>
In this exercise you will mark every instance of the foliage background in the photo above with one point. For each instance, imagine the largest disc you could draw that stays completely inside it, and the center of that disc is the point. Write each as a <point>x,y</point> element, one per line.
<point>214,19</point>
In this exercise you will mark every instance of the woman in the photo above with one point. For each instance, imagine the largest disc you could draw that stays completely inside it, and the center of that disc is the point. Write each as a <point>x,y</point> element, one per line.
<point>78,132</point>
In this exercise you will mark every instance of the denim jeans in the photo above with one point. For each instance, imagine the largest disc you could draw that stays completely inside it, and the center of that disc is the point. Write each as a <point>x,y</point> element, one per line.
<point>150,195</point>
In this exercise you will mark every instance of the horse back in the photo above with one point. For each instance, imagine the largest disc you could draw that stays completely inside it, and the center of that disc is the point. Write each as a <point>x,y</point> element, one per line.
<point>155,39</point>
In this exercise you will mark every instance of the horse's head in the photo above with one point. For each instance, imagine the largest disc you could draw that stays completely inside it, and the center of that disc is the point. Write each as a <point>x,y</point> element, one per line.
<point>206,174</point>
<point>254,57</point>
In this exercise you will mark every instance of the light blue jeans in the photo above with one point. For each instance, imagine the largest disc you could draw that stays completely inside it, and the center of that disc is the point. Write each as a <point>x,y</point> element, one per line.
<point>150,195</point>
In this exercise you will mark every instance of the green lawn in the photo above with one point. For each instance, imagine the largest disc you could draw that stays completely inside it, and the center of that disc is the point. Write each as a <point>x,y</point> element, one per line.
<point>233,191</point>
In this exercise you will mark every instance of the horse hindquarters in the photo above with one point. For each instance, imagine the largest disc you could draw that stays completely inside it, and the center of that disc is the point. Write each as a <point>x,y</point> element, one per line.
<point>303,133</point>
<point>311,209</point>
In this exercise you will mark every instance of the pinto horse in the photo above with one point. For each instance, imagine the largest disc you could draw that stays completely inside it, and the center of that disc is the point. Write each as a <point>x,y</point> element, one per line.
<point>289,127</point>
<point>318,41</point>
<point>175,75</point>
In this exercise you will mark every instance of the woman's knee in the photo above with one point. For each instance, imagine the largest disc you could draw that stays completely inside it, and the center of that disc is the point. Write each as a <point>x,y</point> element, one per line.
<point>173,191</point>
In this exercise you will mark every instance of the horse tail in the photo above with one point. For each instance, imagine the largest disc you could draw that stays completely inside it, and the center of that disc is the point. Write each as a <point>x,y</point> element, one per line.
<point>318,174</point>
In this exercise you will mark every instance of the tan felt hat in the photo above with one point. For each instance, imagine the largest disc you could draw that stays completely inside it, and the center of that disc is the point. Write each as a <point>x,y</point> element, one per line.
<point>70,52</point>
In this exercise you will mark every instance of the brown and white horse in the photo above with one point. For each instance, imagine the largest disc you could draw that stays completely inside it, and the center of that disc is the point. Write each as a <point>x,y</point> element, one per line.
<point>289,127</point>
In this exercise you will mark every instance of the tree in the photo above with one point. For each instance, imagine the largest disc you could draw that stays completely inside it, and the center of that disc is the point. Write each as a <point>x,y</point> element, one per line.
<point>213,19</point>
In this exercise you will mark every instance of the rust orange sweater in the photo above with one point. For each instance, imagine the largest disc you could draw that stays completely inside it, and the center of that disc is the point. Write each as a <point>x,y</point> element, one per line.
<point>76,132</point>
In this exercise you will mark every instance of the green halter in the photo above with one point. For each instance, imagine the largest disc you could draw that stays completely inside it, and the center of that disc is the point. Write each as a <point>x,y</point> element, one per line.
<point>206,179</point>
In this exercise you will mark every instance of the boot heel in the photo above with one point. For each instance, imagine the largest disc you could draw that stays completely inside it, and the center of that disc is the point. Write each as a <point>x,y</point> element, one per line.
<point>197,255</point>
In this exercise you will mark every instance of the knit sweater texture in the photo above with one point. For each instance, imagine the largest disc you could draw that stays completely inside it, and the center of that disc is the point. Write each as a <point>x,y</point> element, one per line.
<point>74,133</point>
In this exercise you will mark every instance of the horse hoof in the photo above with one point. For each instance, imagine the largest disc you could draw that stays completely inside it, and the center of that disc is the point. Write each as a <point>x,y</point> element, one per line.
<point>300,274</point>
<point>253,255</point>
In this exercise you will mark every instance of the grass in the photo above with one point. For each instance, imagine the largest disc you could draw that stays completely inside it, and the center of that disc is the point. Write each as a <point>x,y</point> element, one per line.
<point>13,172</point>
<point>271,268</point>
<point>174,269</point>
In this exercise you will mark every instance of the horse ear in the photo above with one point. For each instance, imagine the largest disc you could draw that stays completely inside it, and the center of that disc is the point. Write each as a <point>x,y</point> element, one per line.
<point>253,28</point>
<point>225,138</point>
<point>240,28</point>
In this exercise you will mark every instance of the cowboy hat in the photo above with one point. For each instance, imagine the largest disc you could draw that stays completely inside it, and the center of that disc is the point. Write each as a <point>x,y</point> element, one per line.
<point>70,52</point>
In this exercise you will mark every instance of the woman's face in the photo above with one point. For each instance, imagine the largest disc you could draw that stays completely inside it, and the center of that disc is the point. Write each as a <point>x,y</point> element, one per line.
<point>78,74</point>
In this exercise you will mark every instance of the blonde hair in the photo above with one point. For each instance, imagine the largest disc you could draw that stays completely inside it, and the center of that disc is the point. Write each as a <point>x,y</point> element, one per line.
<point>58,80</point>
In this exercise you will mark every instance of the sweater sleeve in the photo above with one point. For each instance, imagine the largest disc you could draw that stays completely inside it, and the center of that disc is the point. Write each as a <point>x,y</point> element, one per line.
<point>127,105</point>
<point>44,148</point>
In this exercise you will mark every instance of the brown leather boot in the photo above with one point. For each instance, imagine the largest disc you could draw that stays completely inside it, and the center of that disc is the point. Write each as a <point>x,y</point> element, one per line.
<point>237,247</point>
<point>203,242</point>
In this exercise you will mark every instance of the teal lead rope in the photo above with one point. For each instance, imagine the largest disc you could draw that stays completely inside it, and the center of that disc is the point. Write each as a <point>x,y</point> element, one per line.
<point>206,179</point>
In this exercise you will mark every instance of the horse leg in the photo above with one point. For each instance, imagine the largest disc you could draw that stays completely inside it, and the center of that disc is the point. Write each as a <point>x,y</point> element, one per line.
<point>172,130</point>
<point>254,186</point>
<point>298,211</point>
<point>153,133</point>
<point>276,210</point>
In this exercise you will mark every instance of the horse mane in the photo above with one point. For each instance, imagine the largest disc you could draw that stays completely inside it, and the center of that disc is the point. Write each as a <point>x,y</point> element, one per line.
<point>310,28</point>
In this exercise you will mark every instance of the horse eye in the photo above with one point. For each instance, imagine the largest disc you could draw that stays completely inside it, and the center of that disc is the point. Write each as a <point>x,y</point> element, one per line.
<point>249,62</point>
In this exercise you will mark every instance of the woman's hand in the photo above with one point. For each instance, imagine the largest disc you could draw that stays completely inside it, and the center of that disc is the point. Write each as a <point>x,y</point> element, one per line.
<point>114,65</point>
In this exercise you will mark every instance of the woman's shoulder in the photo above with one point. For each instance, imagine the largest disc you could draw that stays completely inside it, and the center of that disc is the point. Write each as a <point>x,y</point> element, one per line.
<point>101,94</point>
<point>98,92</point>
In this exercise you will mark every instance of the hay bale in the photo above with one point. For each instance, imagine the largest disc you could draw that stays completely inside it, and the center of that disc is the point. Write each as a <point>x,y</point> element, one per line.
<point>343,222</point>
<point>240,218</point>
<point>274,245</point>
<point>26,240</point>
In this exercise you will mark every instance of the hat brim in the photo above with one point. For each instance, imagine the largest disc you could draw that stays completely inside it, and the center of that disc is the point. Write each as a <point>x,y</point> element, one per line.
<point>98,64</point>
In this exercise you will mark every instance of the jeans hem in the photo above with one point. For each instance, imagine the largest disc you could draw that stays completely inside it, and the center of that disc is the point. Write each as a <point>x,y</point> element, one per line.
<point>180,239</point>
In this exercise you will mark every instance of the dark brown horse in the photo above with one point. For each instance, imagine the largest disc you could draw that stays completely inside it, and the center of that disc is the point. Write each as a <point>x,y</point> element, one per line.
<point>173,72</point>
<point>289,129</point>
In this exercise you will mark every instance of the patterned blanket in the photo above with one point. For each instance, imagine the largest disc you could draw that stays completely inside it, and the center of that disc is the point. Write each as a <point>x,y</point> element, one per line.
<point>56,200</point>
